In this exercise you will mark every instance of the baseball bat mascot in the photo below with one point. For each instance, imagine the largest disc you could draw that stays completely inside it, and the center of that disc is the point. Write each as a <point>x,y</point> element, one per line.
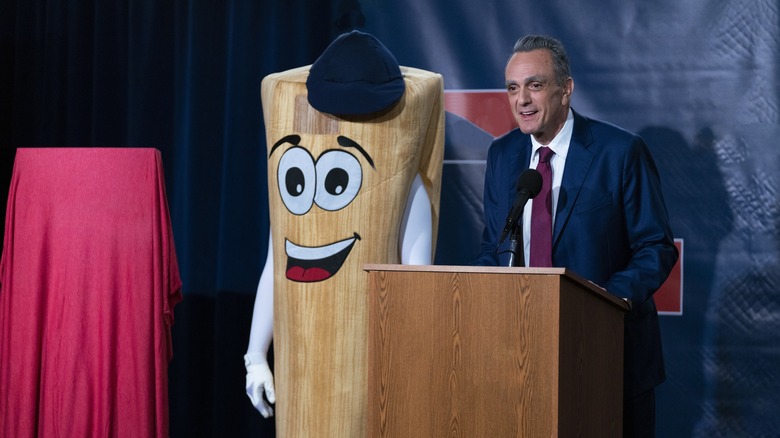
<point>355,148</point>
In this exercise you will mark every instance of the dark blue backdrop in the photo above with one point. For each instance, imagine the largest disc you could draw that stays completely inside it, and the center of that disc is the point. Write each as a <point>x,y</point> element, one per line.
<point>698,79</point>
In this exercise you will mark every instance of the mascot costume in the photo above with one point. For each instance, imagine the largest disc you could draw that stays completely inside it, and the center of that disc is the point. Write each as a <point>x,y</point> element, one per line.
<point>355,148</point>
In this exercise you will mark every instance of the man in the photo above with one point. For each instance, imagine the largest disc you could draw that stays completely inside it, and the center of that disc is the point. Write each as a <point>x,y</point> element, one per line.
<point>609,220</point>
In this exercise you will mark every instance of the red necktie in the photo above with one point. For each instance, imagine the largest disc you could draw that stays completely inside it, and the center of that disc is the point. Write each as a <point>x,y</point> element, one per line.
<point>541,214</point>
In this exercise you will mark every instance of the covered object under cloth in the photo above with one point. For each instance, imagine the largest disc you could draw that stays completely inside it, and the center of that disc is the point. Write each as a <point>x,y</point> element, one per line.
<point>88,282</point>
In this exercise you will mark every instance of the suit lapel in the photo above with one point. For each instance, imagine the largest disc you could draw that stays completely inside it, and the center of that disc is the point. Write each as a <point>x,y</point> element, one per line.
<point>522,157</point>
<point>578,163</point>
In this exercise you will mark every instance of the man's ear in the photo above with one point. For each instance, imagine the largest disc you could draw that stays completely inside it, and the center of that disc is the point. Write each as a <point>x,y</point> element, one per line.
<point>568,87</point>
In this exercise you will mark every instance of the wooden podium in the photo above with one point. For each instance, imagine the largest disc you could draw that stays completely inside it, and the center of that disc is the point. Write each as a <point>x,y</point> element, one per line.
<point>458,351</point>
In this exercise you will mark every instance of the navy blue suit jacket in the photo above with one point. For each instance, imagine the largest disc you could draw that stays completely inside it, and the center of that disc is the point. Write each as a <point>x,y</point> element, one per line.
<point>611,227</point>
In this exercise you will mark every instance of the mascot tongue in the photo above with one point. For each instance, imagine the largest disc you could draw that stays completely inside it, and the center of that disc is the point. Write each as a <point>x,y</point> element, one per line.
<point>297,273</point>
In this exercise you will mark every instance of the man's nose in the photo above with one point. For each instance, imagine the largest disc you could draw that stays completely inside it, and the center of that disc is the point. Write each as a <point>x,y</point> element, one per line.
<point>523,97</point>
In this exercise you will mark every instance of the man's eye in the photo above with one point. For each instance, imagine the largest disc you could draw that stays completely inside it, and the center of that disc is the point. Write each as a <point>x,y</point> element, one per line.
<point>535,86</point>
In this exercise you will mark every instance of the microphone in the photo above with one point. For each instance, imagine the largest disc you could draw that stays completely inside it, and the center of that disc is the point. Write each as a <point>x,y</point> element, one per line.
<point>528,185</point>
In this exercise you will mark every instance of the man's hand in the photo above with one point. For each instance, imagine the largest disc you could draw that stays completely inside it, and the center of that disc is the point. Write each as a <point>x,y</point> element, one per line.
<point>259,380</point>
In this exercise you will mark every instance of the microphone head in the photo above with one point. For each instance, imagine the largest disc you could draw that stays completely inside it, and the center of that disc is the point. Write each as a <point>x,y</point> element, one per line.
<point>530,181</point>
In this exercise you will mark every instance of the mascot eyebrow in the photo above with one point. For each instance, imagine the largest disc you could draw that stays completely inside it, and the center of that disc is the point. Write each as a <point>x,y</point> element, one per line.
<point>342,141</point>
<point>292,139</point>
<point>349,143</point>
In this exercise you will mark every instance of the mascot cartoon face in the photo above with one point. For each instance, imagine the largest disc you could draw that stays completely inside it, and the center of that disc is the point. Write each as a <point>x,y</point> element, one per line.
<point>340,186</point>
<point>330,182</point>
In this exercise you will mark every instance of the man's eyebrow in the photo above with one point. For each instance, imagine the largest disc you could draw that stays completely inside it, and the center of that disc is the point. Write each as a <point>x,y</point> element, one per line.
<point>349,143</point>
<point>292,139</point>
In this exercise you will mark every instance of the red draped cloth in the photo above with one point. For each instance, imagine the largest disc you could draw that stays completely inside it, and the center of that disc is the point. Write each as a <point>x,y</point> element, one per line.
<point>88,282</point>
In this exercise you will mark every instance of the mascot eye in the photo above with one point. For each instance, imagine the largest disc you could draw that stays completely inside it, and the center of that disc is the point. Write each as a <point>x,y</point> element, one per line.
<point>339,177</point>
<point>295,178</point>
<point>295,181</point>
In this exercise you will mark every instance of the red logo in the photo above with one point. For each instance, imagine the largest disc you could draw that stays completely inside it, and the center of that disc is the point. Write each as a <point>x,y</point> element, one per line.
<point>669,298</point>
<point>487,109</point>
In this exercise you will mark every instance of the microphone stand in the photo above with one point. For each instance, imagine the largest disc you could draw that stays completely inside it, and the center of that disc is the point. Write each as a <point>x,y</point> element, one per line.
<point>516,247</point>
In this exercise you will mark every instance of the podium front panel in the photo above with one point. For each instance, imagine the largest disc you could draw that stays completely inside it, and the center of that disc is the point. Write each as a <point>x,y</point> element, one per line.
<point>483,354</point>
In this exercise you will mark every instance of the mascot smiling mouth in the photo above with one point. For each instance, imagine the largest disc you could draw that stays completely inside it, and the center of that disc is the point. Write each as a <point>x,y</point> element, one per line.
<point>311,264</point>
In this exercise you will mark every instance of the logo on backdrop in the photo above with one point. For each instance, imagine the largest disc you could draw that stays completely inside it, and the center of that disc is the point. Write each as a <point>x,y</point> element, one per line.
<point>669,298</point>
<point>486,109</point>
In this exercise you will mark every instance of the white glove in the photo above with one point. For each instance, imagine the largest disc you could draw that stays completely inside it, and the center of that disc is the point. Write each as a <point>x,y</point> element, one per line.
<point>259,379</point>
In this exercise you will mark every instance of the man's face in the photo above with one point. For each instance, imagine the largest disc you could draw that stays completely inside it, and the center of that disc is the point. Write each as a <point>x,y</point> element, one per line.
<point>539,105</point>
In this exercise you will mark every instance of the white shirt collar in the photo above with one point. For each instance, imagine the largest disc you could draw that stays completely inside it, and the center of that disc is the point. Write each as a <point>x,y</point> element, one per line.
<point>559,144</point>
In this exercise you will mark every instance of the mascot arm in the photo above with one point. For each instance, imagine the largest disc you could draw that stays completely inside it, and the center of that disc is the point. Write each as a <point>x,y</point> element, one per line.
<point>259,379</point>
<point>416,226</point>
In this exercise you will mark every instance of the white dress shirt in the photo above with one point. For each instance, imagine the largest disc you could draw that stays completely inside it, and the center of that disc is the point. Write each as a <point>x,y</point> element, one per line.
<point>559,145</point>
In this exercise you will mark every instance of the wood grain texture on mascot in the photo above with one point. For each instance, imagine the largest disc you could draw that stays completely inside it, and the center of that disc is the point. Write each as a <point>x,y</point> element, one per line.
<point>338,185</point>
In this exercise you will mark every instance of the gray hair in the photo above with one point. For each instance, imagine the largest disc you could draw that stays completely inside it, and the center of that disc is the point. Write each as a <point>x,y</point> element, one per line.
<point>530,43</point>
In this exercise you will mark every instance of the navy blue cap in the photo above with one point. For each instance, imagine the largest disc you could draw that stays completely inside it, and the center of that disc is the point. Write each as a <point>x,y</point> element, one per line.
<point>355,75</point>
